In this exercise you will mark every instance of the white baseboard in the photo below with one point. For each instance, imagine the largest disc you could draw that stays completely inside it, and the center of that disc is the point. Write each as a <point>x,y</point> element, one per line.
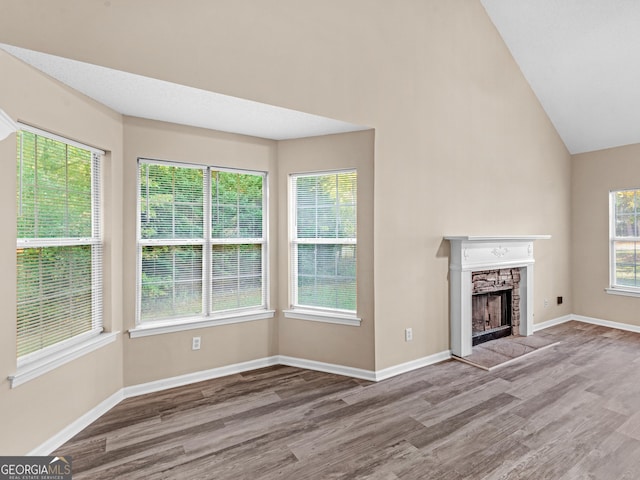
<point>327,367</point>
<point>412,365</point>
<point>592,320</point>
<point>370,375</point>
<point>607,323</point>
<point>77,426</point>
<point>165,383</point>
<point>554,321</point>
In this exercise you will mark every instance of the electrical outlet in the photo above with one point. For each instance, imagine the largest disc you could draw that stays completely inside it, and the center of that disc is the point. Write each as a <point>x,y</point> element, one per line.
<point>195,343</point>
<point>408,334</point>
<point>546,302</point>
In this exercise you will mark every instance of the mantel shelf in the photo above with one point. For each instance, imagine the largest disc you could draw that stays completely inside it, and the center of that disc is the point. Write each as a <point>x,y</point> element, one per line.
<point>496,238</point>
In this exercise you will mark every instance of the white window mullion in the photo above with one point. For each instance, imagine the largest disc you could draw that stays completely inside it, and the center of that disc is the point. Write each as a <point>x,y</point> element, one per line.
<point>264,245</point>
<point>207,254</point>
<point>96,248</point>
<point>139,239</point>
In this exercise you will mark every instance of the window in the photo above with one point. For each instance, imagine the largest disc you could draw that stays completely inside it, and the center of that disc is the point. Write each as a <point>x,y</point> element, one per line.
<point>625,240</point>
<point>59,244</point>
<point>201,242</point>
<point>323,242</point>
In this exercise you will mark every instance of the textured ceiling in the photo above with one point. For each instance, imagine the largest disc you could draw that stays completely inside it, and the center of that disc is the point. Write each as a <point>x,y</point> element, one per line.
<point>146,97</point>
<point>582,60</point>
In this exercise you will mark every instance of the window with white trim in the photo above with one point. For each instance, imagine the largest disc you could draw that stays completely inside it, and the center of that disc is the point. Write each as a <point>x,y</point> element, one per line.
<point>625,239</point>
<point>201,242</point>
<point>59,244</point>
<point>323,241</point>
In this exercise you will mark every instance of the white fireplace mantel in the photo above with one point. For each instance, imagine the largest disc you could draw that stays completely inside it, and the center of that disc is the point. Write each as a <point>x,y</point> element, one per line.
<point>476,253</point>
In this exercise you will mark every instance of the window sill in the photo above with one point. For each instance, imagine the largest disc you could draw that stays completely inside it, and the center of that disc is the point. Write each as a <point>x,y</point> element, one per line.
<point>171,326</point>
<point>326,317</point>
<point>40,367</point>
<point>626,292</point>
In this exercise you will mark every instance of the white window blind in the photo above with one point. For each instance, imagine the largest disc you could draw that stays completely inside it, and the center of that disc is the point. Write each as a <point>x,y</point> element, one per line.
<point>59,245</point>
<point>323,250</point>
<point>625,239</point>
<point>238,238</point>
<point>171,229</point>
<point>201,241</point>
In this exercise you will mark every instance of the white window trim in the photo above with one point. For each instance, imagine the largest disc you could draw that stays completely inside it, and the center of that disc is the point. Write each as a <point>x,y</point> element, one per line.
<point>37,368</point>
<point>614,289</point>
<point>623,292</point>
<point>208,319</point>
<point>329,316</point>
<point>170,326</point>
<point>303,312</point>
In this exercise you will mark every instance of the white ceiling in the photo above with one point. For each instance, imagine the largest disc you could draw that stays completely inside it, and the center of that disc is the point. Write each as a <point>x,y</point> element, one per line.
<point>145,97</point>
<point>582,60</point>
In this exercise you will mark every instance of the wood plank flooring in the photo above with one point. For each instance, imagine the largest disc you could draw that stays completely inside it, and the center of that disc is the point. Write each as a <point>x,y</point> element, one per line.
<point>570,412</point>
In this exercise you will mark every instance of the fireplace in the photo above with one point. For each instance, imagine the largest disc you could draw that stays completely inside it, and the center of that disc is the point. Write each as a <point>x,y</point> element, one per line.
<point>498,271</point>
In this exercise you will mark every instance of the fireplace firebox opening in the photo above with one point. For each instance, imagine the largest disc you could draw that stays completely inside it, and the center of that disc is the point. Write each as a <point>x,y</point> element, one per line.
<point>491,316</point>
<point>495,304</point>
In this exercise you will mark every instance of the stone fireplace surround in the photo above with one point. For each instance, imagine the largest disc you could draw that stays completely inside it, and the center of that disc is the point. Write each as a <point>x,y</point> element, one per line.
<point>480,253</point>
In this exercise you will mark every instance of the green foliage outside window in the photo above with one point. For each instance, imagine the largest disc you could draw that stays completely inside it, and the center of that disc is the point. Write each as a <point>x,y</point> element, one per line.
<point>627,232</point>
<point>57,285</point>
<point>54,189</point>
<point>172,210</point>
<point>325,209</point>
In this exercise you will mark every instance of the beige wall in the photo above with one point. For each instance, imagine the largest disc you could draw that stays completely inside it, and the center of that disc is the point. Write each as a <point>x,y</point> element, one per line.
<point>593,176</point>
<point>458,133</point>
<point>161,356</point>
<point>33,412</point>
<point>324,342</point>
<point>457,127</point>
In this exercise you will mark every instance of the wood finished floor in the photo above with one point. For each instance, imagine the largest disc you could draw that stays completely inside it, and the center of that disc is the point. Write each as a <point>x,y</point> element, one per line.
<point>570,412</point>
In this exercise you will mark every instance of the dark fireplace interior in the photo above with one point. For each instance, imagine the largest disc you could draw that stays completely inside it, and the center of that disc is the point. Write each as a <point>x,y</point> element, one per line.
<point>491,316</point>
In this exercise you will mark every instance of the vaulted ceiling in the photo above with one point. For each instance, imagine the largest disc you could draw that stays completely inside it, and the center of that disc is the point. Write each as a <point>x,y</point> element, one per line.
<point>582,60</point>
